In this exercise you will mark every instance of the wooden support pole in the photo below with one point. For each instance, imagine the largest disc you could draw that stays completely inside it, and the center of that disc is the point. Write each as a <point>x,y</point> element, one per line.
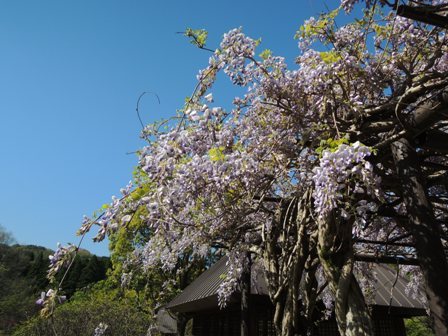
<point>245,292</point>
<point>426,232</point>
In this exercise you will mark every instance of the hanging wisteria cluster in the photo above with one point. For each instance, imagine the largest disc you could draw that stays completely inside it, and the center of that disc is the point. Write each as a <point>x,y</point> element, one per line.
<point>236,261</point>
<point>239,179</point>
<point>60,259</point>
<point>342,172</point>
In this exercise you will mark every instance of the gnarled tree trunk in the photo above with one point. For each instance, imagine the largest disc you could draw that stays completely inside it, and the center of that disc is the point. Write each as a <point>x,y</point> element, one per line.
<point>337,259</point>
<point>285,260</point>
<point>425,231</point>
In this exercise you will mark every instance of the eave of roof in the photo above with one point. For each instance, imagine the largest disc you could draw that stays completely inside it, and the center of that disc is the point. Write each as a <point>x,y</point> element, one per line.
<point>203,292</point>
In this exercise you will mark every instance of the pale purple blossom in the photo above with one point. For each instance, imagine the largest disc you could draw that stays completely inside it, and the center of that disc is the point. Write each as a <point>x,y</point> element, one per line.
<point>345,171</point>
<point>101,329</point>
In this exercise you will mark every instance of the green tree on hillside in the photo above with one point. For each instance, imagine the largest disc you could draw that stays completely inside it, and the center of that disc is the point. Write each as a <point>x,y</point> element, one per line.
<point>84,312</point>
<point>23,276</point>
<point>6,237</point>
<point>37,273</point>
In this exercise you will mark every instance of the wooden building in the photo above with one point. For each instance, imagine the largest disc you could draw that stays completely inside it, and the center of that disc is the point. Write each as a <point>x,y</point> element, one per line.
<point>199,301</point>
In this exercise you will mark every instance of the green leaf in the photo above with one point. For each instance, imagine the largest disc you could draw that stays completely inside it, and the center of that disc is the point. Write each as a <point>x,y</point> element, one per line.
<point>330,57</point>
<point>198,37</point>
<point>265,54</point>
<point>216,154</point>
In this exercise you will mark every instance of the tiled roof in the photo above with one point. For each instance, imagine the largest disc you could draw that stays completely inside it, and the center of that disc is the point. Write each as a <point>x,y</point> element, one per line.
<point>205,286</point>
<point>384,287</point>
<point>202,293</point>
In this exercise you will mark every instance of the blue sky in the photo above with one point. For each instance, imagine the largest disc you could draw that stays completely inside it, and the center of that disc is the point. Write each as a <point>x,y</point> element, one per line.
<point>70,76</point>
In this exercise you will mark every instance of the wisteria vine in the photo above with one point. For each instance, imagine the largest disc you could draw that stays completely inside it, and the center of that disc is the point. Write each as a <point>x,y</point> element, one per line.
<point>218,178</point>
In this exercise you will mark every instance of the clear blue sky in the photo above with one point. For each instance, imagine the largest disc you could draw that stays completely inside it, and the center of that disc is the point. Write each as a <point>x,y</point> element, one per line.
<point>70,75</point>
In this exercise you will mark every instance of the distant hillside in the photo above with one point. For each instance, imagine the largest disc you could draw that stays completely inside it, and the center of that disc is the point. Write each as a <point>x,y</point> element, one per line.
<point>23,271</point>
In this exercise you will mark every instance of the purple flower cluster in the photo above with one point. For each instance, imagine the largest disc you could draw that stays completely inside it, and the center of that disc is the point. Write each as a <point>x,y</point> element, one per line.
<point>235,264</point>
<point>60,259</point>
<point>115,214</point>
<point>348,5</point>
<point>414,287</point>
<point>203,178</point>
<point>235,49</point>
<point>48,301</point>
<point>341,174</point>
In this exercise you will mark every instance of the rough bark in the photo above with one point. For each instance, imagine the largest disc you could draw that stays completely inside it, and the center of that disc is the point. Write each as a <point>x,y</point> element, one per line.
<point>425,231</point>
<point>427,114</point>
<point>434,140</point>
<point>337,259</point>
<point>291,314</point>
<point>310,286</point>
<point>285,261</point>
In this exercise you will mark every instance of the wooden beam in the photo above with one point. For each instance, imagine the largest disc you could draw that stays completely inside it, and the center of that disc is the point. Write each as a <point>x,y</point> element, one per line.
<point>423,14</point>
<point>387,259</point>
<point>383,243</point>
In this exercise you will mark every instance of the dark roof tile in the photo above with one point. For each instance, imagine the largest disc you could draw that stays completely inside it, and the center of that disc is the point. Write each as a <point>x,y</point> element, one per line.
<point>202,293</point>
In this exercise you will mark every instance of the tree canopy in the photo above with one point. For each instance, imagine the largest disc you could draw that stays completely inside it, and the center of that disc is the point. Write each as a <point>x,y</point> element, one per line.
<point>5,236</point>
<point>23,275</point>
<point>337,159</point>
